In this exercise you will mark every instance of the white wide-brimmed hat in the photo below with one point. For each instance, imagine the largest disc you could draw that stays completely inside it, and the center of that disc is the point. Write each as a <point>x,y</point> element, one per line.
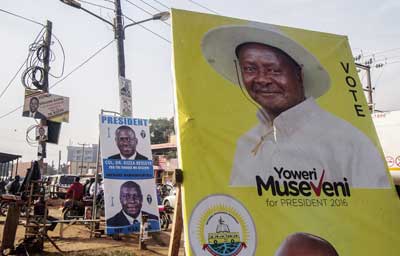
<point>219,46</point>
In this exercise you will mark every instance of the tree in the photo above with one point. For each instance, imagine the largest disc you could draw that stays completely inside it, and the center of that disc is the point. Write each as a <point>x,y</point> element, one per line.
<point>161,129</point>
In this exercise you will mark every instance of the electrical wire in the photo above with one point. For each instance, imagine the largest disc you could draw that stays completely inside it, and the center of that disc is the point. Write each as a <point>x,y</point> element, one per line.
<point>31,142</point>
<point>34,64</point>
<point>140,8</point>
<point>151,31</point>
<point>83,63</point>
<point>388,58</point>
<point>22,17</point>
<point>59,81</point>
<point>97,5</point>
<point>20,68</point>
<point>150,5</point>
<point>161,4</point>
<point>12,111</point>
<point>63,64</point>
<point>109,1</point>
<point>202,6</point>
<point>12,79</point>
<point>380,75</point>
<point>384,51</point>
<point>392,63</point>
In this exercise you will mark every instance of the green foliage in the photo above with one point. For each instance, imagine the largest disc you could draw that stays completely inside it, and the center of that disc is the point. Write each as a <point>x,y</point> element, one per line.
<point>161,129</point>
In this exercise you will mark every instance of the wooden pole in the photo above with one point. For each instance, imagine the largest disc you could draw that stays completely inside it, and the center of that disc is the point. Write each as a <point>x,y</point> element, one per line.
<point>177,226</point>
<point>142,237</point>
<point>10,227</point>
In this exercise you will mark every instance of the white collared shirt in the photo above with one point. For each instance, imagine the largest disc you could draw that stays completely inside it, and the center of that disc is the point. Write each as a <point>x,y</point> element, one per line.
<point>130,219</point>
<point>305,137</point>
<point>130,158</point>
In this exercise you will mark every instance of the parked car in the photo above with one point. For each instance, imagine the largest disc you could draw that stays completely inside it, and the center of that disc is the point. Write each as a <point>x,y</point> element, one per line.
<point>59,185</point>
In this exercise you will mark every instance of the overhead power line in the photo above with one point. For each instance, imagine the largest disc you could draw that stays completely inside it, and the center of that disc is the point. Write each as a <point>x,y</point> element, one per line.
<point>22,17</point>
<point>12,111</point>
<point>12,79</point>
<point>380,75</point>
<point>162,4</point>
<point>380,52</point>
<point>83,63</point>
<point>202,6</point>
<point>97,5</point>
<point>67,75</point>
<point>392,62</point>
<point>63,63</point>
<point>19,69</point>
<point>109,1</point>
<point>150,5</point>
<point>388,58</point>
<point>140,8</point>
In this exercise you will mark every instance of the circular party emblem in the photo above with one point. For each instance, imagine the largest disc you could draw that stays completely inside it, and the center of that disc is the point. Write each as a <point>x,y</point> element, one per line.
<point>221,225</point>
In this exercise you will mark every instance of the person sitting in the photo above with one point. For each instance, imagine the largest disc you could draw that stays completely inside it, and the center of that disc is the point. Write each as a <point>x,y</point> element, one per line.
<point>86,187</point>
<point>99,189</point>
<point>2,186</point>
<point>75,191</point>
<point>14,186</point>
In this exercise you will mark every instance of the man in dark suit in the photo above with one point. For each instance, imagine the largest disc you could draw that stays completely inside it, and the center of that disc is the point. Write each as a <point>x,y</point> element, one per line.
<point>126,141</point>
<point>33,109</point>
<point>42,134</point>
<point>131,199</point>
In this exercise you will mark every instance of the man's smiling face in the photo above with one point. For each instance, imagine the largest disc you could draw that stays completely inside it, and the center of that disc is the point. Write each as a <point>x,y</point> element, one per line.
<point>270,77</point>
<point>34,104</point>
<point>126,141</point>
<point>131,201</point>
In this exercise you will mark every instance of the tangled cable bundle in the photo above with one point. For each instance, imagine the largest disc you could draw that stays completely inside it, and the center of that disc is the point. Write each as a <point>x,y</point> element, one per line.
<point>33,78</point>
<point>31,140</point>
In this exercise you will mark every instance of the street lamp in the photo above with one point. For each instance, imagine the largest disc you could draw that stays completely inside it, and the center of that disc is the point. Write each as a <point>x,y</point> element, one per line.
<point>72,3</point>
<point>159,16</point>
<point>119,29</point>
<point>78,5</point>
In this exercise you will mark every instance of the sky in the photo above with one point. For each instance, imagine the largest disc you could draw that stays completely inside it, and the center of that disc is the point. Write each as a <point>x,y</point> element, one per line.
<point>372,29</point>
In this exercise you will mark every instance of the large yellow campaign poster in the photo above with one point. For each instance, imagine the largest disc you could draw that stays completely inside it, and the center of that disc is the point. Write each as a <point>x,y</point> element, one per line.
<point>276,143</point>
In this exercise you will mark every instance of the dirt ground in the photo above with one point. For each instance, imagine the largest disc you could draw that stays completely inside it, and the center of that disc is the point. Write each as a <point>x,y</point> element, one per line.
<point>76,240</point>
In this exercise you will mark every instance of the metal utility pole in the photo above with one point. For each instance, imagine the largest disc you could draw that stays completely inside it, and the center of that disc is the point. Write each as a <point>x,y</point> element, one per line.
<point>46,55</point>
<point>120,37</point>
<point>119,29</point>
<point>83,154</point>
<point>59,161</point>
<point>369,88</point>
<point>46,67</point>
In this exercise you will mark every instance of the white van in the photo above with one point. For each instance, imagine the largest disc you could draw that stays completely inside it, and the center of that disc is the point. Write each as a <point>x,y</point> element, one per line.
<point>59,184</point>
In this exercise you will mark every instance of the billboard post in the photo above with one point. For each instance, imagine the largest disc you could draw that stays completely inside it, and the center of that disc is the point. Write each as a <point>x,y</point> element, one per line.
<point>177,226</point>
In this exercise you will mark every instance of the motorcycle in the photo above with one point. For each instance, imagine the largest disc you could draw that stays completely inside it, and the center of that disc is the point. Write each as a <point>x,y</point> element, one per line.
<point>4,204</point>
<point>165,218</point>
<point>74,209</point>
